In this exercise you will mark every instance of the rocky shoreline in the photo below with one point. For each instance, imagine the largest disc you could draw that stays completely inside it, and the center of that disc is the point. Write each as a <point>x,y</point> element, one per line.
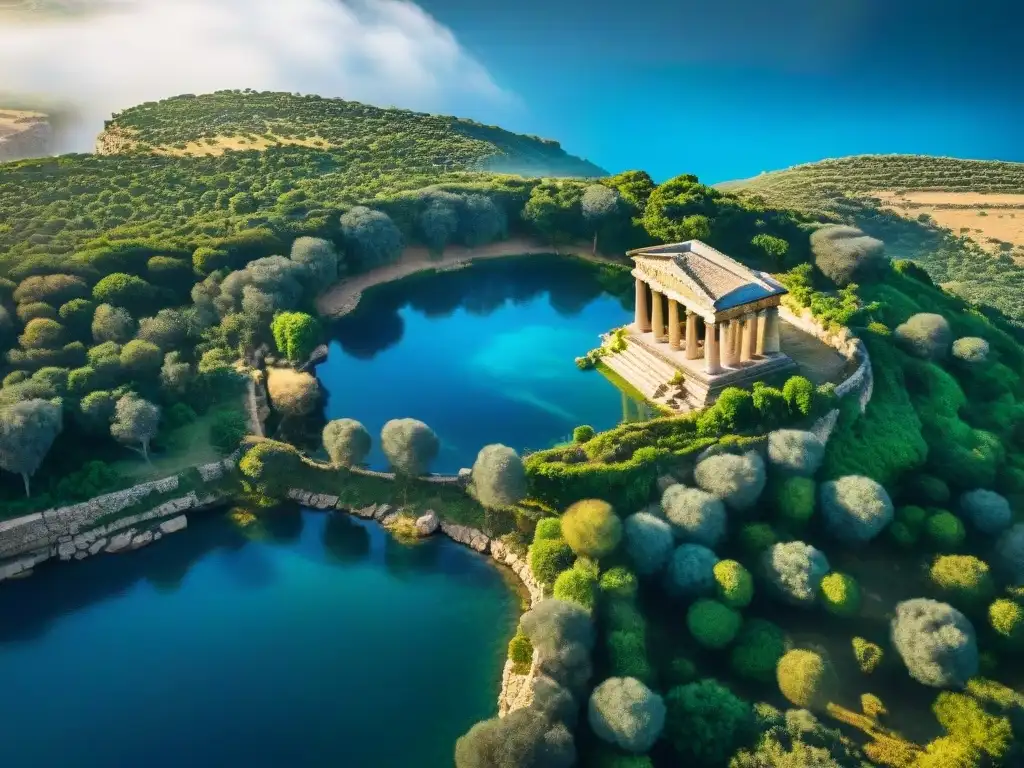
<point>516,689</point>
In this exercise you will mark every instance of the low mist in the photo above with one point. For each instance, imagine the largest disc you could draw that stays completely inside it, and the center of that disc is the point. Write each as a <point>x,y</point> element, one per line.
<point>85,59</point>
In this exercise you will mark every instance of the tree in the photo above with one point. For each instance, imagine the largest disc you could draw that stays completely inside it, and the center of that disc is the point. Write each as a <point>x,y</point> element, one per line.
<point>795,570</point>
<point>925,335</point>
<point>736,480</point>
<point>845,254</point>
<point>524,738</point>
<point>371,236</point>
<point>174,274</point>
<point>76,315</point>
<point>52,289</point>
<point>649,542</point>
<point>591,528</point>
<point>42,333</point>
<point>855,508</point>
<point>439,220</point>
<point>971,350</point>
<point>712,624</point>
<point>806,678</point>
<point>774,247</point>
<point>296,335</point>
<point>987,510</point>
<point>694,515</point>
<point>321,260</point>
<point>691,571</point>
<point>936,642</point>
<point>795,451</point>
<point>598,204</point>
<point>27,431</point>
<point>207,260</point>
<point>121,290</point>
<point>499,479</point>
<point>481,221</point>
<point>96,410</point>
<point>346,441</point>
<point>135,421</point>
<point>176,375</point>
<point>166,329</point>
<point>141,359</point>
<point>625,712</point>
<point>111,323</point>
<point>706,722</point>
<point>291,392</point>
<point>410,446</point>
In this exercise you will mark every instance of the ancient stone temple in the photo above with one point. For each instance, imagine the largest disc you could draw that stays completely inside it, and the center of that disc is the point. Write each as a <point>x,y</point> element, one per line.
<point>702,317</point>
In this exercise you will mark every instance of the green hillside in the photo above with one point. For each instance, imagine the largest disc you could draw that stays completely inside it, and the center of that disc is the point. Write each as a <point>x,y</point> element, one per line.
<point>960,258</point>
<point>417,141</point>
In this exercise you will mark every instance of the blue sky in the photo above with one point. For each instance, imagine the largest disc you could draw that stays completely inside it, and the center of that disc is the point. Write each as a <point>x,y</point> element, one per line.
<point>729,88</point>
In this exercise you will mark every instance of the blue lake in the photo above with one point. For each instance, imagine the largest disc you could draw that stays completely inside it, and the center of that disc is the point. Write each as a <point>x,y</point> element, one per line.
<point>313,640</point>
<point>482,355</point>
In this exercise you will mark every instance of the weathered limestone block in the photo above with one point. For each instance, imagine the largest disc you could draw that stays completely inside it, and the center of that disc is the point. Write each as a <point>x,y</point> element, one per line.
<point>21,567</point>
<point>366,512</point>
<point>427,524</point>
<point>388,519</point>
<point>66,550</point>
<point>97,545</point>
<point>465,475</point>
<point>142,539</point>
<point>174,525</point>
<point>382,511</point>
<point>322,501</point>
<point>471,537</point>
<point>81,555</point>
<point>121,541</point>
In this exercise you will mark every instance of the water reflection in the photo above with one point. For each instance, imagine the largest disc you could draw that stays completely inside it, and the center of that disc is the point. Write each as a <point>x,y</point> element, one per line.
<point>346,540</point>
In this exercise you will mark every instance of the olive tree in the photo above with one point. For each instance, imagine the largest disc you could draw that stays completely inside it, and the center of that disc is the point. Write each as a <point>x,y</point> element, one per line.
<point>649,542</point>
<point>926,335</point>
<point>855,508</point>
<point>936,642</point>
<point>439,219</point>
<point>27,431</point>
<point>410,446</point>
<point>845,254</point>
<point>320,259</point>
<point>176,375</point>
<point>371,236</point>
<point>598,204</point>
<point>166,329</point>
<point>499,479</point>
<point>795,570</point>
<point>736,480</point>
<point>795,451</point>
<point>135,421</point>
<point>625,712</point>
<point>346,441</point>
<point>694,515</point>
<point>481,220</point>
<point>110,323</point>
<point>524,738</point>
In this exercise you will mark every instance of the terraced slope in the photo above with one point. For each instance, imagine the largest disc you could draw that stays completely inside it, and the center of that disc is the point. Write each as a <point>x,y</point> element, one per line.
<point>236,120</point>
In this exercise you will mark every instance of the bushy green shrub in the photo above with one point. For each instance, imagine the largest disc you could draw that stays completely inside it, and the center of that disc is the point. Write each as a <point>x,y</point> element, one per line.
<point>625,712</point>
<point>649,542</point>
<point>548,558</point>
<point>926,489</point>
<point>987,510</point>
<point>845,255</point>
<point>799,393</point>
<point>758,648</point>
<point>794,499</point>
<point>840,594</point>
<point>627,655</point>
<point>734,584</point>
<point>795,451</point>
<point>691,571</point>
<point>548,528</point>
<point>736,480</point>
<point>498,477</point>
<point>755,538</point>
<point>582,433</point>
<point>271,467</point>
<point>591,528</point>
<point>1007,619</point>
<point>794,570</point>
<point>867,654</point>
<point>619,582</point>
<point>806,678</point>
<point>925,335</point>
<point>346,441</point>
<point>520,650</point>
<point>970,349</point>
<point>577,585</point>
<point>1010,555</point>
<point>964,580</point>
<point>681,670</point>
<point>712,624</point>
<point>935,641</point>
<point>965,719</point>
<point>410,446</point>
<point>945,531</point>
<point>524,736</point>
<point>706,722</point>
<point>695,515</point>
<point>855,508</point>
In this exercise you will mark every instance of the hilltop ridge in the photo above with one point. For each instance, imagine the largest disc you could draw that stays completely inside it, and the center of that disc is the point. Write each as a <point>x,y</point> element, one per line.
<point>211,124</point>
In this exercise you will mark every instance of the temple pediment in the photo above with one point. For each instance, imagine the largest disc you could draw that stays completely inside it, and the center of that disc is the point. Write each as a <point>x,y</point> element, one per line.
<point>704,278</point>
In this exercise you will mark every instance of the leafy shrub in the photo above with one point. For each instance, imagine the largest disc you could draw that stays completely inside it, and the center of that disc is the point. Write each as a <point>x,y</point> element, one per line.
<point>770,404</point>
<point>520,651</point>
<point>755,538</point>
<point>694,515</point>
<point>563,636</point>
<point>926,489</point>
<point>691,571</point>
<point>619,582</point>
<point>706,722</point>
<point>867,654</point>
<point>800,395</point>
<point>945,531</point>
<point>346,441</point>
<point>963,579</point>
<point>970,349</point>
<point>649,542</point>
<point>627,655</point>
<point>736,480</point>
<point>794,501</point>
<point>855,508</point>
<point>987,510</point>
<point>846,255</point>
<point>271,467</point>
<point>736,408</point>
<point>795,570</point>
<point>840,594</point>
<point>1007,619</point>
<point>591,528</point>
<point>806,679</point>
<point>1010,554</point>
<point>795,451</point>
<point>524,737</point>
<point>925,335</point>
<point>548,528</point>
<point>548,558</point>
<point>36,309</point>
<point>713,624</point>
<point>498,477</point>
<point>936,642</point>
<point>625,712</point>
<point>410,446</point>
<point>965,719</point>
<point>583,433</point>
<point>734,584</point>
<point>758,648</point>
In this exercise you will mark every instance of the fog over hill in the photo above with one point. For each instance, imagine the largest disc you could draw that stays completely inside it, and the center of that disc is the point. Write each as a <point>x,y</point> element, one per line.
<point>91,58</point>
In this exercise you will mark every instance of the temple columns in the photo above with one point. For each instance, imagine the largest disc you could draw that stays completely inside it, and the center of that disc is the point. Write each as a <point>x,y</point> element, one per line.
<point>771,333</point>
<point>725,343</point>
<point>641,317</point>
<point>762,325</point>
<point>747,337</point>
<point>692,352</point>
<point>658,317</point>
<point>673,324</point>
<point>711,355</point>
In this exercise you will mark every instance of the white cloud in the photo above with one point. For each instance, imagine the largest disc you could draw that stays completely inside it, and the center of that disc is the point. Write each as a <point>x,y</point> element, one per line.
<point>385,52</point>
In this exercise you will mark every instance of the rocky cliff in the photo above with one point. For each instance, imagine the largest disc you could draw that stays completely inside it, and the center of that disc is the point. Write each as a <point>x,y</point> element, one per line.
<point>24,134</point>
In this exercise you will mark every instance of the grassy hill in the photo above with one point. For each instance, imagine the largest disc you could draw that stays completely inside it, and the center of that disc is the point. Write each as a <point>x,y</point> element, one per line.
<point>963,220</point>
<point>232,120</point>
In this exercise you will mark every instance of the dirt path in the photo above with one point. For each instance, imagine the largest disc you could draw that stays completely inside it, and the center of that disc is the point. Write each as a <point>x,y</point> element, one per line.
<point>343,297</point>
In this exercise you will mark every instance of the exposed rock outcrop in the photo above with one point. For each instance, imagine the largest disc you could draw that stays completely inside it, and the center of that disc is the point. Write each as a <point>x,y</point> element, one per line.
<point>428,524</point>
<point>24,134</point>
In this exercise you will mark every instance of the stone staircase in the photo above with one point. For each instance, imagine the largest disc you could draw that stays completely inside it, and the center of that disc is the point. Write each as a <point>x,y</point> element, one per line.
<point>648,373</point>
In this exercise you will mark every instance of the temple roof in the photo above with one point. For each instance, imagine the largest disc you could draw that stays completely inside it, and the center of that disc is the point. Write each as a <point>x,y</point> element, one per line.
<point>722,283</point>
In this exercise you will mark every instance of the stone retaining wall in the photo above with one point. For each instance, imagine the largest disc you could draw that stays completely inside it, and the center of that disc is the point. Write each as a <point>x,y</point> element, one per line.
<point>516,689</point>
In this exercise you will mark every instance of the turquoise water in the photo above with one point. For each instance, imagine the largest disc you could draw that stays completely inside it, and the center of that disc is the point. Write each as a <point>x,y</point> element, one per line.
<point>482,355</point>
<point>322,643</point>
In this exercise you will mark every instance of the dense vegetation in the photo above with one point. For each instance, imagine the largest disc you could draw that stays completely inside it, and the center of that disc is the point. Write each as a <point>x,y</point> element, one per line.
<point>840,189</point>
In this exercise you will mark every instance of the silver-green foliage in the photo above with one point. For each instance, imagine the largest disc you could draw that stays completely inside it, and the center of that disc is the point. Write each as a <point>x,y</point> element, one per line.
<point>371,236</point>
<point>410,446</point>
<point>736,480</point>
<point>926,335</point>
<point>795,570</point>
<point>135,421</point>
<point>936,642</point>
<point>27,431</point>
<point>971,349</point>
<point>320,259</point>
<point>855,508</point>
<point>691,571</point>
<point>795,451</point>
<point>845,254</point>
<point>649,542</point>
<point>346,441</point>
<point>499,479</point>
<point>625,712</point>
<point>110,323</point>
<point>695,515</point>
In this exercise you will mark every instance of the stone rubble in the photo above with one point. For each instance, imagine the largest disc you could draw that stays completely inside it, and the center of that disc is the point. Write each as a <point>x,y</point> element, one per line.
<point>428,524</point>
